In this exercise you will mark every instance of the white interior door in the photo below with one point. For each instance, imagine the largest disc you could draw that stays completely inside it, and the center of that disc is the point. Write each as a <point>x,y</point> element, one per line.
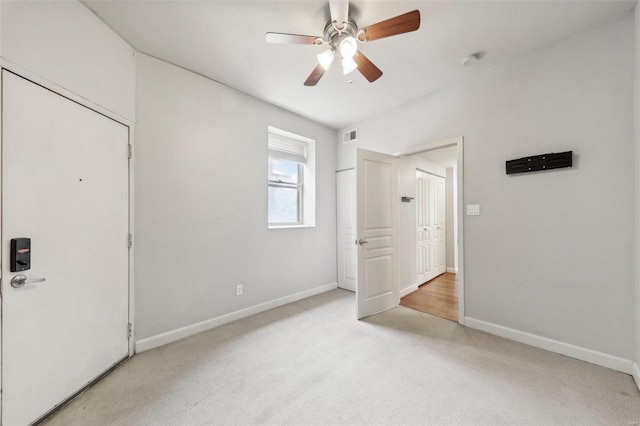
<point>346,195</point>
<point>424,231</point>
<point>430,226</point>
<point>64,185</point>
<point>440,244</point>
<point>376,213</point>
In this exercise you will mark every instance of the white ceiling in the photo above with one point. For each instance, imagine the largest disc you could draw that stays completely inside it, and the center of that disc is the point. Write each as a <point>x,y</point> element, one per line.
<point>224,40</point>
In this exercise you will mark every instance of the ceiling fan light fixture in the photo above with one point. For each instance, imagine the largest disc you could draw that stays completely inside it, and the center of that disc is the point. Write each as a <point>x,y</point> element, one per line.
<point>348,47</point>
<point>343,40</point>
<point>326,58</point>
<point>348,65</point>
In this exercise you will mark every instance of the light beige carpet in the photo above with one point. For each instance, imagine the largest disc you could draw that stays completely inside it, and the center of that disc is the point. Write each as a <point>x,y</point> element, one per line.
<point>311,362</point>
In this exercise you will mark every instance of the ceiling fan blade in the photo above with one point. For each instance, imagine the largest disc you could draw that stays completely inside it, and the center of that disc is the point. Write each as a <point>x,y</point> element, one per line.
<point>367,68</point>
<point>399,25</point>
<point>315,76</point>
<point>282,38</point>
<point>339,12</point>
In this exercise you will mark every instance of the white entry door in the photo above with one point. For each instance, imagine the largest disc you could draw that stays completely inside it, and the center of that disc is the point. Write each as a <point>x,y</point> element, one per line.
<point>376,212</point>
<point>65,183</point>
<point>346,196</point>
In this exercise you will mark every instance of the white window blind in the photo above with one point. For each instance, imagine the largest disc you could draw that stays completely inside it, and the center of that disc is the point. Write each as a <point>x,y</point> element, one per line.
<point>285,148</point>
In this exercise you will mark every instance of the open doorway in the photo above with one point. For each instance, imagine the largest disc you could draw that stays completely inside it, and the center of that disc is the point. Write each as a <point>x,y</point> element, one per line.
<point>430,225</point>
<point>353,244</point>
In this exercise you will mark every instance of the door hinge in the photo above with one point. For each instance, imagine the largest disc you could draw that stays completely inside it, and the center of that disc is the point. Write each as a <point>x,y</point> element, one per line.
<point>130,240</point>
<point>129,151</point>
<point>129,329</point>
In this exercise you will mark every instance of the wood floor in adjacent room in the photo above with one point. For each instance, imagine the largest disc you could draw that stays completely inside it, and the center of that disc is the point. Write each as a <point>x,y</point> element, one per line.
<point>437,297</point>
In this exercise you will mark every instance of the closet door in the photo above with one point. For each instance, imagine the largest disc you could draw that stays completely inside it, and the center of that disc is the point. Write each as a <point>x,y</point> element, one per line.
<point>439,226</point>
<point>347,248</point>
<point>430,226</point>
<point>424,228</point>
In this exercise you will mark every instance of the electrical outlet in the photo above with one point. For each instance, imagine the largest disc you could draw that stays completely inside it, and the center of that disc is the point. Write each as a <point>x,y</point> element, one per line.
<point>239,290</point>
<point>473,209</point>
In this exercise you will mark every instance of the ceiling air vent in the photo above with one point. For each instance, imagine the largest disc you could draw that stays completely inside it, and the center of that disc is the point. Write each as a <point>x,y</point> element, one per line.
<point>349,136</point>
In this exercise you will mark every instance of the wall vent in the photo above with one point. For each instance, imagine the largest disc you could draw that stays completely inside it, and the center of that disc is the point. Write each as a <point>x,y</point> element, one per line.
<point>350,135</point>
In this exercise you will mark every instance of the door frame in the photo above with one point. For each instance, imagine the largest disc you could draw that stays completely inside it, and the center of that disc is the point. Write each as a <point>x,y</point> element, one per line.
<point>42,82</point>
<point>458,141</point>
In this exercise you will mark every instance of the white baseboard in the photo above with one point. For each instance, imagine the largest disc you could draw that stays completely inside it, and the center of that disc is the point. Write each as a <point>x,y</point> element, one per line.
<point>573,351</point>
<point>408,290</point>
<point>636,374</point>
<point>189,330</point>
<point>452,270</point>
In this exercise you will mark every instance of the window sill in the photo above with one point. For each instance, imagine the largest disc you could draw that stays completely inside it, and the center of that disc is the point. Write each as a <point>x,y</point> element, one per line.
<point>291,226</point>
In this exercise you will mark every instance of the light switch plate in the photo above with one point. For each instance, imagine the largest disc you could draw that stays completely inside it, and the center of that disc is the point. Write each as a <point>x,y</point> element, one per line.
<point>473,209</point>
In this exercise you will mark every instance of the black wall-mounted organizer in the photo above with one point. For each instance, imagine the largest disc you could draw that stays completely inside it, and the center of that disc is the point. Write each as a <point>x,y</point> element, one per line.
<point>537,163</point>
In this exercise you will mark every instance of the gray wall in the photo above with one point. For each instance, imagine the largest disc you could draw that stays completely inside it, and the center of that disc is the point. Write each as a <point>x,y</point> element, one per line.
<point>551,253</point>
<point>67,44</point>
<point>201,202</point>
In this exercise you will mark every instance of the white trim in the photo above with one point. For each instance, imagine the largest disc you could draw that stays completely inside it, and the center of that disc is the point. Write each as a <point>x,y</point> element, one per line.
<point>290,226</point>
<point>41,81</point>
<point>132,249</point>
<point>408,290</point>
<point>562,348</point>
<point>460,220</point>
<point>1,299</point>
<point>189,330</point>
<point>636,374</point>
<point>452,270</point>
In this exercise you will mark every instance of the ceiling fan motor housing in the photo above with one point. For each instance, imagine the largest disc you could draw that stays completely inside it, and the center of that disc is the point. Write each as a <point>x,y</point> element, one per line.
<point>332,34</point>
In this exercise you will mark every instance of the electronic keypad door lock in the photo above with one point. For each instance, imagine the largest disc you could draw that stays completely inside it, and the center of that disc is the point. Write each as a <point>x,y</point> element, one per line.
<point>20,259</point>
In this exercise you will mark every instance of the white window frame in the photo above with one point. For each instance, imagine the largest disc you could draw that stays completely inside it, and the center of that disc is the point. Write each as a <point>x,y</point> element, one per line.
<point>307,187</point>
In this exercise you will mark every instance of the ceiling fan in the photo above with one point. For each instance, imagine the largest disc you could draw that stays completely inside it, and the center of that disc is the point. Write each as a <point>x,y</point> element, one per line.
<point>342,35</point>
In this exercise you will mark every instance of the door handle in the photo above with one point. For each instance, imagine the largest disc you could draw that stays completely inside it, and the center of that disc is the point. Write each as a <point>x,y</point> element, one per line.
<point>361,241</point>
<point>20,280</point>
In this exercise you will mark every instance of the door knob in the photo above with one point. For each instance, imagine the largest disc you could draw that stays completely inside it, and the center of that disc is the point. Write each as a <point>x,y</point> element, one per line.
<point>361,241</point>
<point>20,281</point>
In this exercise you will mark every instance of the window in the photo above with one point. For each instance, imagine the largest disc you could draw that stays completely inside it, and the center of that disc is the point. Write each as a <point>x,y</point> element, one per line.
<point>285,191</point>
<point>291,180</point>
